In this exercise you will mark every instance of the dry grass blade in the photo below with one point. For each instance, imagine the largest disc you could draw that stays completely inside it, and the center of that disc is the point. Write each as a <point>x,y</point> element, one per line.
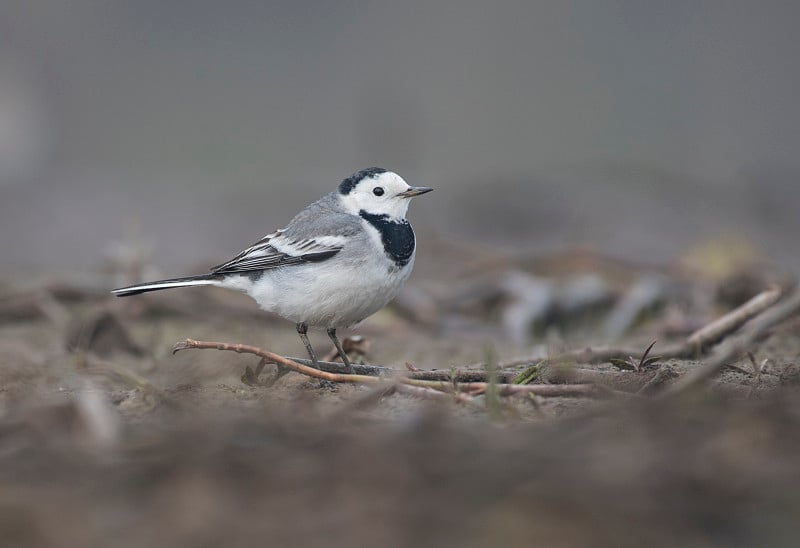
<point>528,375</point>
<point>758,367</point>
<point>645,361</point>
<point>631,364</point>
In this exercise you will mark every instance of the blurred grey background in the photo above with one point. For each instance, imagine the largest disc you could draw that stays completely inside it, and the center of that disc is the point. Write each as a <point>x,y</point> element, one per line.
<point>637,127</point>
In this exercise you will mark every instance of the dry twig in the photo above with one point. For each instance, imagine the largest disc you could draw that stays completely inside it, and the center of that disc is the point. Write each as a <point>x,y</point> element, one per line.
<point>734,319</point>
<point>460,375</point>
<point>271,357</point>
<point>457,389</point>
<point>696,344</point>
<point>734,347</point>
<point>338,367</point>
<point>463,385</point>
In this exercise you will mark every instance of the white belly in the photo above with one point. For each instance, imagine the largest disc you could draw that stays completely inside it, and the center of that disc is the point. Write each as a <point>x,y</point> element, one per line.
<point>332,293</point>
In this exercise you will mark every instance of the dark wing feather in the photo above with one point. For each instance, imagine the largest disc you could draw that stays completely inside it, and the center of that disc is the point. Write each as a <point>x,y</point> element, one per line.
<point>277,250</point>
<point>317,233</point>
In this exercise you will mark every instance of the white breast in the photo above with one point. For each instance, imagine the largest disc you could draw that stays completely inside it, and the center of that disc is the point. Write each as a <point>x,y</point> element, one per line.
<point>338,292</point>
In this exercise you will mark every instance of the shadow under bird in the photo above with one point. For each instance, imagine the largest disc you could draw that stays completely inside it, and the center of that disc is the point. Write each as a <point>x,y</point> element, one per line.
<point>340,260</point>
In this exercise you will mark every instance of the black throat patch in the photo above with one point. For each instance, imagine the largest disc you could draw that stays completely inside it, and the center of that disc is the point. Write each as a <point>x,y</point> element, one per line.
<point>397,236</point>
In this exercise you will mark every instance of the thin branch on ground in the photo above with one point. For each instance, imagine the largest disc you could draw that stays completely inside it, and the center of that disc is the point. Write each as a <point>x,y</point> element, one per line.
<point>271,357</point>
<point>731,321</point>
<point>462,385</point>
<point>736,346</point>
<point>457,390</point>
<point>696,344</point>
<point>459,375</point>
<point>338,367</point>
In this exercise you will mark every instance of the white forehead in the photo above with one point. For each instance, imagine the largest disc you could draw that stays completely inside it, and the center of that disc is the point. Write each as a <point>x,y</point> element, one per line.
<point>388,180</point>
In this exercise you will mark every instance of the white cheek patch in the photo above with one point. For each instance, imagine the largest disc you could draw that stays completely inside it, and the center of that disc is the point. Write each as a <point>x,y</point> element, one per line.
<point>392,206</point>
<point>397,208</point>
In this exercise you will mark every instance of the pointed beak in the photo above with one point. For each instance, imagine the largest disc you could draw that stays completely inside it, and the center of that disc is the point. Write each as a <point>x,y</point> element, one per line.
<point>415,191</point>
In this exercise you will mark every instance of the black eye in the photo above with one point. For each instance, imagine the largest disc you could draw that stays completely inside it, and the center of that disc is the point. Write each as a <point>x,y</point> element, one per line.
<point>377,191</point>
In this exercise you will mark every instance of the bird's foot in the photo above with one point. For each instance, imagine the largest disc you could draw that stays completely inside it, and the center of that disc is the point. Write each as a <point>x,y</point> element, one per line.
<point>250,376</point>
<point>355,345</point>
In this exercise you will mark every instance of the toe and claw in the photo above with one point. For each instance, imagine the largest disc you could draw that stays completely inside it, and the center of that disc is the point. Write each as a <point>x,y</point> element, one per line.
<point>250,376</point>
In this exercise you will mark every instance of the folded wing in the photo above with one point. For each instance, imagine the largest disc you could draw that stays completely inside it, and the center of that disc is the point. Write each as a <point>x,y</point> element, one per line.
<point>278,250</point>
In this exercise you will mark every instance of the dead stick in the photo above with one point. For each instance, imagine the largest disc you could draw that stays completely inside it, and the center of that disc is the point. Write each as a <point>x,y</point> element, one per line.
<point>713,331</point>
<point>274,358</point>
<point>337,367</point>
<point>553,390</point>
<point>734,319</point>
<point>696,343</point>
<point>299,367</point>
<point>457,388</point>
<point>459,375</point>
<point>737,346</point>
<point>562,390</point>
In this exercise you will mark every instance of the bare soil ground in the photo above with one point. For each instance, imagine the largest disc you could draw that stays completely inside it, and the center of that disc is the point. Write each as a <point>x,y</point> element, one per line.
<point>107,439</point>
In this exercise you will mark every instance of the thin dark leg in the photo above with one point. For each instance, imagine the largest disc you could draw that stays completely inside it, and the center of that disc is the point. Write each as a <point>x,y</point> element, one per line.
<point>332,334</point>
<point>302,330</point>
<point>250,377</point>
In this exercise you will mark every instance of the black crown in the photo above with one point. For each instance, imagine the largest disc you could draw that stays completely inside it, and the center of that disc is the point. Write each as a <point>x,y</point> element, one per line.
<point>350,183</point>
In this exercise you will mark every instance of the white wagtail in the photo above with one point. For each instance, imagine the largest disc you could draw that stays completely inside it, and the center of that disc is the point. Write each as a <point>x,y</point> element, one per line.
<point>340,260</point>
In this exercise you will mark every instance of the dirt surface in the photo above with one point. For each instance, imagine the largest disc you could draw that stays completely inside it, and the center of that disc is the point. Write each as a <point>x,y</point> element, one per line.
<point>106,438</point>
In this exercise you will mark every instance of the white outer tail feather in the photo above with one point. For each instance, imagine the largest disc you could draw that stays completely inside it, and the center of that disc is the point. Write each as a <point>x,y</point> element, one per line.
<point>162,284</point>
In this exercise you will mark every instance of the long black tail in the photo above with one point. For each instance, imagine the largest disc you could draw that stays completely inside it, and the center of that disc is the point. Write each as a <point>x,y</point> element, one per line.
<point>203,279</point>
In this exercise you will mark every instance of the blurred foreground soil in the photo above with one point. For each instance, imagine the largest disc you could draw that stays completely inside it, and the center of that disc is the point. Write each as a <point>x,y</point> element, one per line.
<point>107,439</point>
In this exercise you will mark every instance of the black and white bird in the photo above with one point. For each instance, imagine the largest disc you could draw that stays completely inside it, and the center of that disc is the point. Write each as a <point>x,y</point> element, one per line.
<point>340,260</point>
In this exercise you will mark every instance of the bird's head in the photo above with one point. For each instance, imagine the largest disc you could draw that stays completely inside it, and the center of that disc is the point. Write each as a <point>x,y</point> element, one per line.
<point>378,192</point>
